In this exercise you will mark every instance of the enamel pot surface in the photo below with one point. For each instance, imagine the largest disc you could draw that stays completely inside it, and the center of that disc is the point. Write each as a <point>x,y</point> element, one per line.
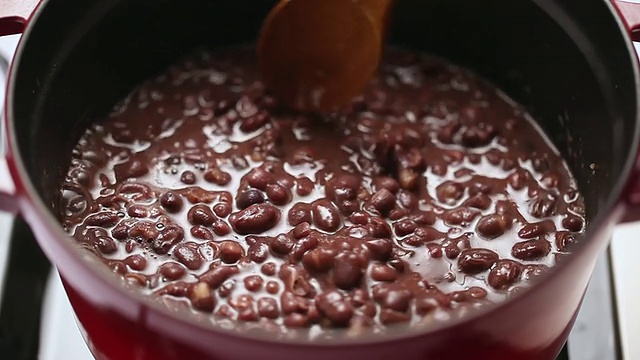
<point>571,63</point>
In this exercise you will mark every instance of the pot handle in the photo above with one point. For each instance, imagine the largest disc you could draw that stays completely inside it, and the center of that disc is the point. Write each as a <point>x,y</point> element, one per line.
<point>8,196</point>
<point>15,14</point>
<point>630,12</point>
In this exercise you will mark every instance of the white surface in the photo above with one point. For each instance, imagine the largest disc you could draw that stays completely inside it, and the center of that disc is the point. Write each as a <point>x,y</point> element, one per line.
<point>625,249</point>
<point>60,338</point>
<point>6,224</point>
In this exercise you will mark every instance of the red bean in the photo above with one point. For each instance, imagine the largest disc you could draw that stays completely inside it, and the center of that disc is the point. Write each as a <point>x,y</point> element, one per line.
<point>253,283</point>
<point>121,231</point>
<point>216,276</point>
<point>383,201</point>
<point>565,240</point>
<point>171,201</point>
<point>302,230</point>
<point>380,248</point>
<point>383,273</point>
<point>137,211</point>
<point>404,228</point>
<point>221,228</point>
<point>318,260</point>
<point>278,194</point>
<point>408,200</point>
<point>299,213</point>
<point>295,280</point>
<point>335,307</point>
<point>217,176</point>
<point>102,219</point>
<point>254,122</point>
<point>519,179</point>
<point>397,214</point>
<point>449,192</point>
<point>281,244</point>
<point>504,274</point>
<point>259,179</point>
<point>169,236</point>
<point>423,217</point>
<point>474,261</point>
<point>410,159</point>
<point>388,183</point>
<point>426,304</point>
<point>201,215</point>
<point>132,168</point>
<point>296,320</point>
<point>301,247</point>
<point>379,228</point>
<point>172,271</point>
<point>258,252</point>
<point>304,186</point>
<point>479,201</point>
<point>408,179</point>
<point>434,250</point>
<point>289,302</point>
<point>477,135</point>
<point>268,308</point>
<point>143,230</point>
<point>177,289</point>
<point>460,216</point>
<point>530,231</point>
<point>390,316</point>
<point>105,245</point>
<point>543,205</point>
<point>230,252</point>
<point>255,219</point>
<point>347,271</point>
<point>343,187</point>
<point>249,197</point>
<point>531,249</point>
<point>530,272</point>
<point>359,218</point>
<point>573,223</point>
<point>195,195</point>
<point>202,233</point>
<point>492,226</point>
<point>447,133</point>
<point>188,255</point>
<point>272,287</point>
<point>188,177</point>
<point>222,209</point>
<point>136,262</point>
<point>325,215</point>
<point>393,296</point>
<point>269,269</point>
<point>201,297</point>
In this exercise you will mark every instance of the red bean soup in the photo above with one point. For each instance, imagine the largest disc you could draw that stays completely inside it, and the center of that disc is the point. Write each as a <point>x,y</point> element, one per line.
<point>430,195</point>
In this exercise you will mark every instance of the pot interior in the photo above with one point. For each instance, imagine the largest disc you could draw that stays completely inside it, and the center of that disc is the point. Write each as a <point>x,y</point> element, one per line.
<point>565,61</point>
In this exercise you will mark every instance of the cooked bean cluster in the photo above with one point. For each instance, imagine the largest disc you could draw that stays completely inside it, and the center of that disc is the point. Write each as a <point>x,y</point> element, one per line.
<point>431,192</point>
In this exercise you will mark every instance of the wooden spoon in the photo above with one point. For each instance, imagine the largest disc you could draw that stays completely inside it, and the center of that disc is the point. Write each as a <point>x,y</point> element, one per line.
<point>316,55</point>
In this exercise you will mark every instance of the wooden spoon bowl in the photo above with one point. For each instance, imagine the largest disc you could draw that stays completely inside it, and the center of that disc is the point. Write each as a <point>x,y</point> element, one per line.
<point>316,55</point>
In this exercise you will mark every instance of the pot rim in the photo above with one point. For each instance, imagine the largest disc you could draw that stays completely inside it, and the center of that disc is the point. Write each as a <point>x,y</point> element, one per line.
<point>35,211</point>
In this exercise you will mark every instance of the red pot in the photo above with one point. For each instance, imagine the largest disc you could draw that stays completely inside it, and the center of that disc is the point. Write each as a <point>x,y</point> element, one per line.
<point>570,62</point>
